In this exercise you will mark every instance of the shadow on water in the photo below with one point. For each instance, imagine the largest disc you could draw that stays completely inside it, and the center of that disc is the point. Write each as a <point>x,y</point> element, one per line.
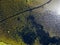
<point>29,37</point>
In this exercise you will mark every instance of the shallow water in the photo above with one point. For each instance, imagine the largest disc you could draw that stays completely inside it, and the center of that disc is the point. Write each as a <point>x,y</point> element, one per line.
<point>40,17</point>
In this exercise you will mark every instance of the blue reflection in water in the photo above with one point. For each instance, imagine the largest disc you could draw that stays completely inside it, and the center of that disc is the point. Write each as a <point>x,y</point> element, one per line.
<point>29,37</point>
